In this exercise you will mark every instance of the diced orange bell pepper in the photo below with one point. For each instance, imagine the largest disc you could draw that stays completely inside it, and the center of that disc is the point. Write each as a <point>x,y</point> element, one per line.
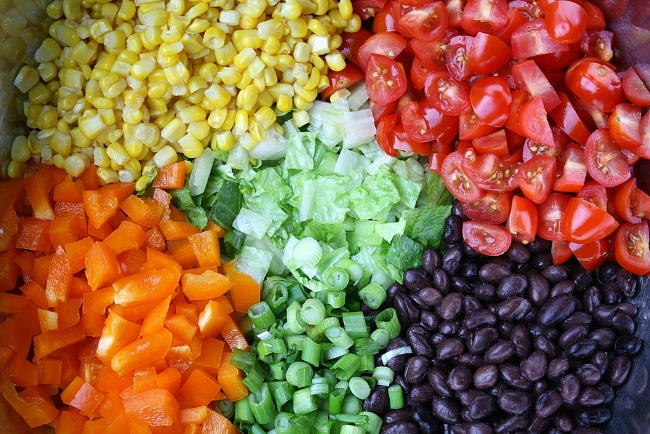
<point>245,291</point>
<point>111,406</point>
<point>216,423</point>
<point>119,190</point>
<point>144,379</point>
<point>48,320</point>
<point>193,415</point>
<point>42,269</point>
<point>155,239</point>
<point>102,267</point>
<point>169,379</point>
<point>49,371</point>
<point>89,177</point>
<point>70,422</point>
<point>11,303</point>
<point>188,309</point>
<point>181,327</point>
<point>58,279</point>
<point>33,234</point>
<point>177,230</point>
<point>157,407</point>
<point>155,319</point>
<point>94,310</point>
<point>32,404</point>
<point>78,287</point>
<point>68,312</point>
<point>212,318</point>
<point>62,209</point>
<point>144,211</point>
<point>101,232</point>
<point>110,381</point>
<point>171,176</point>
<point>177,215</point>
<point>99,207</point>
<point>142,352</point>
<point>25,261</point>
<point>128,235</point>
<point>132,261</point>
<point>68,191</point>
<point>146,286</point>
<point>15,336</point>
<point>210,358</point>
<point>230,379</point>
<point>182,251</point>
<point>199,389</point>
<point>116,334</point>
<point>67,229</point>
<point>95,426</point>
<point>136,312</point>
<point>165,199</point>
<point>49,342</point>
<point>9,223</point>
<point>206,248</point>
<point>22,372</point>
<point>37,188</point>
<point>118,425</point>
<point>233,335</point>
<point>76,252</point>
<point>8,270</point>
<point>10,191</point>
<point>157,260</point>
<point>70,365</point>
<point>138,427</point>
<point>205,286</point>
<point>83,396</point>
<point>35,292</point>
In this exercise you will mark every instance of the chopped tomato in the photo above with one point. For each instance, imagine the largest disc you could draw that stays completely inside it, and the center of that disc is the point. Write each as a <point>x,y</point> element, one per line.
<point>557,61</point>
<point>385,79</point>
<point>456,57</point>
<point>630,203</point>
<point>490,173</point>
<point>385,134</point>
<point>624,125</point>
<point>492,208</point>
<point>535,178</point>
<point>388,44</point>
<point>523,220</point>
<point>488,16</point>
<point>351,44</point>
<point>566,118</point>
<point>551,213</point>
<point>606,163</point>
<point>560,252</point>
<point>595,84</point>
<point>528,76</point>
<point>488,54</point>
<point>591,255</point>
<point>402,142</point>
<point>566,21</point>
<point>586,223</point>
<point>385,19</point>
<point>533,122</point>
<point>595,194</point>
<point>456,181</point>
<point>491,98</point>
<point>495,143</point>
<point>485,238</point>
<point>598,44</point>
<point>635,89</point>
<point>471,127</point>
<point>447,95</point>
<point>631,248</point>
<point>532,39</point>
<point>422,122</point>
<point>572,171</point>
<point>342,79</point>
<point>432,53</point>
<point>426,21</point>
<point>418,74</point>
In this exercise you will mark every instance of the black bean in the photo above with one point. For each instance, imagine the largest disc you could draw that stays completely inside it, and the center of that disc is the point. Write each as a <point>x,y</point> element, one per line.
<point>484,291</point>
<point>539,245</point>
<point>542,261</point>
<point>401,381</point>
<point>449,328</point>
<point>511,286</point>
<point>486,376</point>
<point>604,338</point>
<point>562,288</point>
<point>459,284</point>
<point>577,318</point>
<point>407,311</point>
<point>445,409</point>
<point>452,230</point>
<point>457,209</point>
<point>431,259</point>
<point>619,370</point>
<point>418,339</point>
<point>377,402</point>
<point>449,348</point>
<point>627,282</point>
<point>563,422</point>
<point>595,416</point>
<point>534,367</point>
<point>421,393</point>
<point>398,363</point>
<point>608,272</point>
<point>425,421</point>
<point>592,299</point>
<point>416,369</point>
<point>393,416</point>
<point>607,391</point>
<point>436,338</point>
<point>583,279</point>
<point>538,424</point>
<point>471,428</point>
<point>514,402</point>
<point>588,374</point>
<point>415,280</point>
<point>623,324</point>
<point>628,345</point>
<point>394,290</point>
<point>450,306</point>
<point>400,428</point>
<point>582,349</point>
<point>604,315</point>
<point>499,352</point>
<point>611,293</point>
<point>556,273</point>
<point>557,367</point>
<point>471,304</point>
<point>493,273</point>
<point>505,329</point>
<point>570,388</point>
<point>572,335</point>
<point>469,270</point>
<point>544,344</point>
<point>518,253</point>
<point>460,378</point>
<point>556,310</point>
<point>430,296</point>
<point>521,338</point>
<point>480,319</point>
<point>538,287</point>
<point>429,320</point>
<point>451,260</point>
<point>601,361</point>
<point>481,406</point>
<point>627,308</point>
<point>591,397</point>
<point>438,381</point>
<point>511,374</point>
<point>548,403</point>
<point>471,360</point>
<point>471,253</point>
<point>440,280</point>
<point>513,308</point>
<point>480,340</point>
<point>512,424</point>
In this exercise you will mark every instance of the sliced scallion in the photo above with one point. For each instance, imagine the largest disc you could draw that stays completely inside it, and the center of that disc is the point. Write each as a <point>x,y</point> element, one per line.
<point>373,295</point>
<point>373,426</point>
<point>282,392</point>
<point>355,324</point>
<point>312,311</point>
<point>346,366</point>
<point>359,387</point>
<point>294,323</point>
<point>261,315</point>
<point>311,352</point>
<point>395,397</point>
<point>335,401</point>
<point>262,405</point>
<point>339,337</point>
<point>351,405</point>
<point>336,299</point>
<point>299,374</point>
<point>384,375</point>
<point>243,412</point>
<point>351,429</point>
<point>304,402</point>
<point>381,336</point>
<point>388,321</point>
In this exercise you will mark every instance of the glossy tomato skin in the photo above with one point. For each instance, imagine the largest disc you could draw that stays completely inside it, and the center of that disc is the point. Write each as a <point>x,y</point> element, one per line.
<point>566,118</point>
<point>491,98</point>
<point>423,123</point>
<point>535,178</point>
<point>532,39</point>
<point>495,143</point>
<point>385,19</point>
<point>456,181</point>
<point>634,89</point>
<point>489,172</point>
<point>527,75</point>
<point>388,44</point>
<point>485,238</point>
<point>418,74</point>
<point>624,125</point>
<point>426,22</point>
<point>560,60</point>
<point>586,223</point>
<point>533,122</point>
<point>572,171</point>
<point>631,248</point>
<point>338,80</point>
<point>606,163</point>
<point>560,252</point>
<point>471,127</point>
<point>515,19</point>
<point>551,213</point>
<point>591,255</point>
<point>492,208</point>
<point>457,57</point>
<point>522,220</point>
<point>402,142</point>
<point>381,110</point>
<point>595,84</point>
<point>351,44</point>
<point>488,54</point>
<point>566,21</point>
<point>447,95</point>
<point>386,134</point>
<point>385,79</point>
<point>488,16</point>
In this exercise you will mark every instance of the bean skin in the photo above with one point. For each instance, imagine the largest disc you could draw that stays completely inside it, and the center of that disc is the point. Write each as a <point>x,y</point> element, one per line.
<point>486,376</point>
<point>416,369</point>
<point>459,378</point>
<point>534,367</point>
<point>556,310</point>
<point>619,370</point>
<point>570,388</point>
<point>431,259</point>
<point>445,409</point>
<point>377,402</point>
<point>400,428</point>
<point>393,416</point>
<point>513,402</point>
<point>438,381</point>
<point>493,273</point>
<point>548,403</point>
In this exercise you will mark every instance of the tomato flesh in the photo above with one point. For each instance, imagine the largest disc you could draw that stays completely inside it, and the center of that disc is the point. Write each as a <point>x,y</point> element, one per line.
<point>338,80</point>
<point>634,88</point>
<point>488,54</point>
<point>586,223</point>
<point>573,171</point>
<point>535,178</point>
<point>385,79</point>
<point>532,39</point>
<point>533,122</point>
<point>551,213</point>
<point>426,22</point>
<point>523,220</point>
<point>491,99</point>
<point>560,252</point>
<point>495,143</point>
<point>389,44</point>
<point>488,16</point>
<point>566,21</point>
<point>567,119</point>
<point>447,95</point>
<point>490,173</point>
<point>492,208</point>
<point>591,255</point>
<point>528,76</point>
<point>456,181</point>
<point>606,163</point>
<point>595,84</point>
<point>485,238</point>
<point>624,125</point>
<point>631,248</point>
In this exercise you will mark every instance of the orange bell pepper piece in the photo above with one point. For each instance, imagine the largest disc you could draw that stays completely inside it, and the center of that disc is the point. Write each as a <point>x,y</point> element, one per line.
<point>58,279</point>
<point>70,422</point>
<point>194,415</point>
<point>67,229</point>
<point>93,310</point>
<point>181,327</point>
<point>68,191</point>
<point>169,379</point>
<point>144,379</point>
<point>156,407</point>
<point>205,286</point>
<point>32,404</point>
<point>206,248</point>
<point>216,423</point>
<point>116,334</point>
<point>165,199</point>
<point>128,235</point>
<point>183,253</point>
<point>177,215</point>
<point>42,269</point>
<point>37,188</point>
<point>155,319</point>
<point>142,352</point>
<point>245,291</point>
<point>22,372</point>
<point>100,207</point>
<point>134,313</point>
<point>146,286</point>
<point>25,262</point>
<point>144,211</point>
<point>48,320</point>
<point>230,379</point>
<point>212,318</point>
<point>101,232</point>
<point>83,396</point>
<point>33,234</point>
<point>199,389</point>
<point>89,177</point>
<point>171,176</point>
<point>132,261</point>
<point>119,190</point>
<point>10,191</point>
<point>62,209</point>
<point>49,371</point>
<point>35,293</point>
<point>210,358</point>
<point>155,239</point>
<point>9,223</point>
<point>49,342</point>
<point>68,312</point>
<point>157,260</point>
<point>78,287</point>
<point>233,335</point>
<point>177,230</point>
<point>11,303</point>
<point>102,267</point>
<point>188,309</point>
<point>76,252</point>
<point>8,270</point>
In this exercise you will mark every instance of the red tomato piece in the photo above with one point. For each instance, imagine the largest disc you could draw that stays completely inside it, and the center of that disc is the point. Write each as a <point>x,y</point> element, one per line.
<point>454,12</point>
<point>535,178</point>
<point>586,223</point>
<point>427,21</point>
<point>487,16</point>
<point>595,194</point>
<point>519,98</point>
<point>624,125</point>
<point>643,151</point>
<point>342,79</point>
<point>447,95</point>
<point>598,44</point>
<point>595,84</point>
<point>495,143</point>
<point>388,44</point>
<point>432,54</point>
<point>523,220</point>
<point>606,163</point>
<point>533,122</point>
<point>423,123</point>
<point>532,39</point>
<point>485,238</point>
<point>490,173</point>
<point>566,21</point>
<point>515,19</point>
<point>491,99</point>
<point>551,213</point>
<point>435,162</point>
<point>351,44</point>
<point>631,248</point>
<point>457,57</point>
<point>591,255</point>
<point>385,134</point>
<point>367,8</point>
<point>531,10</point>
<point>492,208</point>
<point>385,19</point>
<point>568,120</point>
<point>634,88</point>
<point>456,181</point>
<point>471,127</point>
<point>402,142</point>
<point>385,79</point>
<point>528,76</point>
<point>418,74</point>
<point>595,16</point>
<point>559,61</point>
<point>573,168</point>
<point>488,54</point>
<point>561,252</point>
<point>630,203</point>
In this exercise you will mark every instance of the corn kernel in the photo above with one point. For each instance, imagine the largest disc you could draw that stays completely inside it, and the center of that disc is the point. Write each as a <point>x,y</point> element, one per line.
<point>200,130</point>
<point>265,116</point>
<point>247,98</point>
<point>16,169</point>
<point>354,24</point>
<point>61,143</point>
<point>48,51</point>
<point>75,164</point>
<point>271,45</point>
<point>39,94</point>
<point>223,141</point>
<point>173,130</point>
<point>191,114</point>
<point>300,118</point>
<point>335,61</point>
<point>134,148</point>
<point>20,149</point>
<point>217,117</point>
<point>191,146</point>
<point>244,58</point>
<point>55,9</point>
<point>26,78</point>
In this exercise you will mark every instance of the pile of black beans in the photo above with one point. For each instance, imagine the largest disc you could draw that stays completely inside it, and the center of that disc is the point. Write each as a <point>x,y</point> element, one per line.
<point>507,344</point>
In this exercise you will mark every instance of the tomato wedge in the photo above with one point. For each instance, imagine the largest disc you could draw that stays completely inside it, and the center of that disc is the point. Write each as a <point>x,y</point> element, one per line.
<point>624,125</point>
<point>456,181</point>
<point>528,76</point>
<point>606,163</point>
<point>535,178</point>
<point>495,143</point>
<point>595,84</point>
<point>471,127</point>
<point>426,22</point>
<point>634,88</point>
<point>385,79</point>
<point>595,194</point>
<point>389,44</point>
<point>402,142</point>
<point>457,55</point>
<point>567,119</point>
<point>532,39</point>
<point>487,16</point>
<point>423,123</point>
<point>630,203</point>
<point>489,172</point>
<point>491,99</point>
<point>573,171</point>
<point>533,122</point>
<point>560,252</point>
<point>447,95</point>
<point>338,80</point>
<point>385,134</point>
<point>566,21</point>
<point>551,213</point>
<point>598,44</point>
<point>591,255</point>
<point>485,238</point>
<point>631,248</point>
<point>492,208</point>
<point>351,44</point>
<point>586,223</point>
<point>523,220</point>
<point>488,54</point>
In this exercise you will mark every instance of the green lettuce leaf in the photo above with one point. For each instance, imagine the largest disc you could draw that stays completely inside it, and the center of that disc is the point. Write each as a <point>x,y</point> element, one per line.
<point>227,203</point>
<point>425,225</point>
<point>403,253</point>
<point>183,201</point>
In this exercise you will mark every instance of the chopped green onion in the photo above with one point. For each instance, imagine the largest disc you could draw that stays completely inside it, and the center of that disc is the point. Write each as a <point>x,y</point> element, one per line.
<point>244,360</point>
<point>322,423</point>
<point>320,389</point>
<point>351,405</point>
<point>373,295</point>
<point>226,408</point>
<point>359,387</point>
<point>395,397</point>
<point>278,369</point>
<point>351,418</point>
<point>256,429</point>
<point>343,384</point>
<point>294,342</point>
<point>373,426</point>
<point>261,315</point>
<point>335,400</point>
<point>384,375</point>
<point>346,366</point>
<point>262,405</point>
<point>320,328</point>
<point>243,411</point>
<point>304,402</point>
<point>276,294</point>
<point>335,279</point>
<point>355,324</point>
<point>254,378</point>
<point>367,363</point>
<point>388,320</point>
<point>286,423</point>
<point>294,323</point>
<point>351,429</point>
<point>299,374</point>
<point>312,311</point>
<point>311,352</point>
<point>385,358</point>
<point>336,299</point>
<point>332,352</point>
<point>381,336</point>
<point>282,392</point>
<point>339,337</point>
<point>366,346</point>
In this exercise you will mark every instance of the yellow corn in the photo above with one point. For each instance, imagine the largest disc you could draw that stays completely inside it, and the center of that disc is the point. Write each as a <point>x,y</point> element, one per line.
<point>335,61</point>
<point>20,149</point>
<point>16,169</point>
<point>173,130</point>
<point>75,164</point>
<point>191,146</point>
<point>26,78</point>
<point>200,130</point>
<point>223,141</point>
